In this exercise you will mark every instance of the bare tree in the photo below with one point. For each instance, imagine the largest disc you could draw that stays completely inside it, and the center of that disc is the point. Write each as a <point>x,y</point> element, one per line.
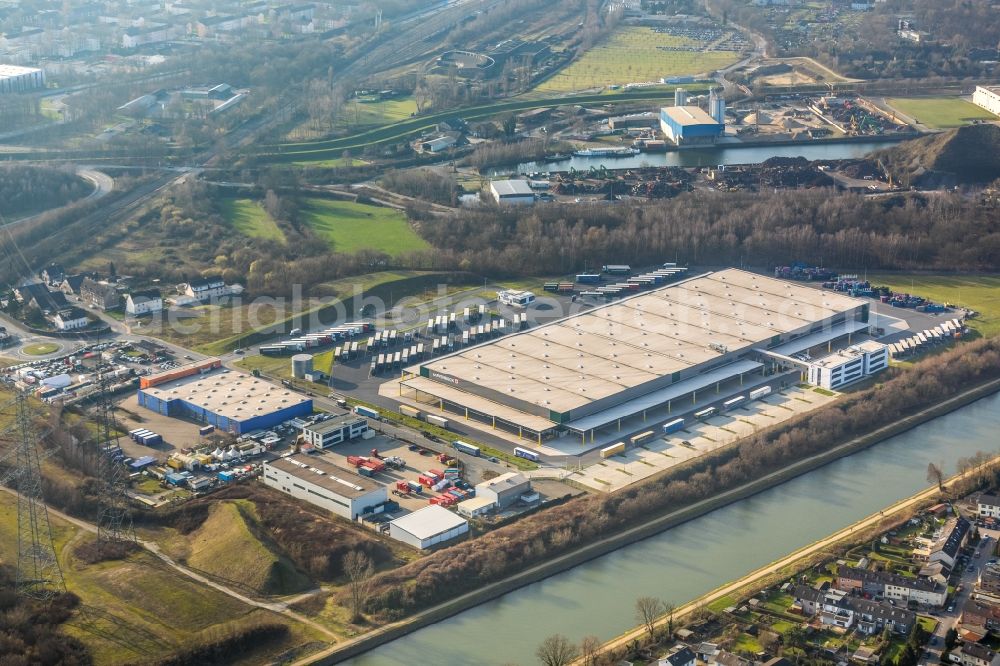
<point>359,569</point>
<point>556,650</point>
<point>935,475</point>
<point>589,647</point>
<point>647,609</point>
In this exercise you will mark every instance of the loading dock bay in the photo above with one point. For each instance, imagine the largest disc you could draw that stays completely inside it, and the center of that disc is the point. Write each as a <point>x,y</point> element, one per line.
<point>662,453</point>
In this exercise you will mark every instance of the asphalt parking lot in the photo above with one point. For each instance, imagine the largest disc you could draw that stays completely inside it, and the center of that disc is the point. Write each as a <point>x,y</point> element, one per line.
<point>698,439</point>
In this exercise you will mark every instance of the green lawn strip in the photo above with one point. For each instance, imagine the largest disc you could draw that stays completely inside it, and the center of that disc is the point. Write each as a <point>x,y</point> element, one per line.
<point>41,348</point>
<point>940,112</point>
<point>979,293</point>
<point>250,219</point>
<point>722,603</point>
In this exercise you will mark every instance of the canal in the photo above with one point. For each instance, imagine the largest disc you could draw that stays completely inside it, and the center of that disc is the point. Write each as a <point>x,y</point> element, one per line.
<point>815,150</point>
<point>683,563</point>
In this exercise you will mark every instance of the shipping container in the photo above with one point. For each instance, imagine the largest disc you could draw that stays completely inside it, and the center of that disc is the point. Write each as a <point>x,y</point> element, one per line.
<point>409,411</point>
<point>366,411</point>
<point>759,393</point>
<point>732,403</point>
<point>642,437</point>
<point>465,447</point>
<point>272,350</point>
<point>528,454</point>
<point>198,367</point>
<point>588,278</point>
<point>705,413</point>
<point>673,426</point>
<point>437,420</point>
<point>613,450</point>
<point>205,430</point>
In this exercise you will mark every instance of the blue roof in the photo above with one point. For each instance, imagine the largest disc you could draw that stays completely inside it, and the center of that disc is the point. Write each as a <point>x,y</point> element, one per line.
<point>143,461</point>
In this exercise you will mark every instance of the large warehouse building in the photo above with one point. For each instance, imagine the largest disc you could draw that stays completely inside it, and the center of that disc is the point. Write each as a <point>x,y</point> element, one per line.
<point>14,79</point>
<point>229,400</point>
<point>988,97</point>
<point>659,353</point>
<point>688,125</point>
<point>314,480</point>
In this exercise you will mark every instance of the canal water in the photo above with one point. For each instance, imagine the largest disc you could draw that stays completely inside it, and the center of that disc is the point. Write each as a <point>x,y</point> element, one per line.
<point>708,157</point>
<point>683,563</point>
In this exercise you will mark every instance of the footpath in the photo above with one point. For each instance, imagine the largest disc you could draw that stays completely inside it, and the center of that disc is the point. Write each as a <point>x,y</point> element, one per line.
<point>846,534</point>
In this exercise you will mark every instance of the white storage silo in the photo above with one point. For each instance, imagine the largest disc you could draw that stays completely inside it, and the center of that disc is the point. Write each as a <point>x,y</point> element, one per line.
<point>302,365</point>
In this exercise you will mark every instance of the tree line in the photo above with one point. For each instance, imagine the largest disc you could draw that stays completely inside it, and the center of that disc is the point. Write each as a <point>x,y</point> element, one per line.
<point>30,630</point>
<point>907,231</point>
<point>508,550</point>
<point>29,189</point>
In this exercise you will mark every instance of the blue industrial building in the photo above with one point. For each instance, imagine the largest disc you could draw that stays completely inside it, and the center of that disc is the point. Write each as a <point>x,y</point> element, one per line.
<point>230,401</point>
<point>685,125</point>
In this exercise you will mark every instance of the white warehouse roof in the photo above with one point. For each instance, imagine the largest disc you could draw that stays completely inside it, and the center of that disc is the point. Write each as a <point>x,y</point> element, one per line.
<point>429,522</point>
<point>511,188</point>
<point>503,482</point>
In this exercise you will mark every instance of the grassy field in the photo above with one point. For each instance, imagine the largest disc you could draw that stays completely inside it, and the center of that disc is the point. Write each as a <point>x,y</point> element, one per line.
<point>225,546</point>
<point>250,219</point>
<point>137,609</point>
<point>41,348</point>
<point>631,55</point>
<point>350,227</point>
<point>371,112</point>
<point>940,112</point>
<point>981,294</point>
<point>280,367</point>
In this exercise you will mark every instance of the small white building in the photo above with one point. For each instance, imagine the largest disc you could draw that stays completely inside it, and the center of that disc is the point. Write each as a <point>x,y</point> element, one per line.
<point>324,484</point>
<point>438,144</point>
<point>989,506</point>
<point>143,302</point>
<point>206,288</point>
<point>428,527</point>
<point>512,192</point>
<point>515,298</point>
<point>505,489</point>
<point>477,506</point>
<point>988,97</point>
<point>849,365</point>
<point>70,319</point>
<point>335,431</point>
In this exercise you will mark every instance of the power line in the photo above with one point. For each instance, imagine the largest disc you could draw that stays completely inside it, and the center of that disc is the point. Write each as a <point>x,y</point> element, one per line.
<point>38,572</point>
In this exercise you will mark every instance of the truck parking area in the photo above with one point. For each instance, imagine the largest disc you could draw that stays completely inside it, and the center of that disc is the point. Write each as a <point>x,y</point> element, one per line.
<point>662,453</point>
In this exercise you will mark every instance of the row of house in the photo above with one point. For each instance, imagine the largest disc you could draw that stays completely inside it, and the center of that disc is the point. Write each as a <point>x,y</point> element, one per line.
<point>838,608</point>
<point>891,585</point>
<point>946,546</point>
<point>108,294</point>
